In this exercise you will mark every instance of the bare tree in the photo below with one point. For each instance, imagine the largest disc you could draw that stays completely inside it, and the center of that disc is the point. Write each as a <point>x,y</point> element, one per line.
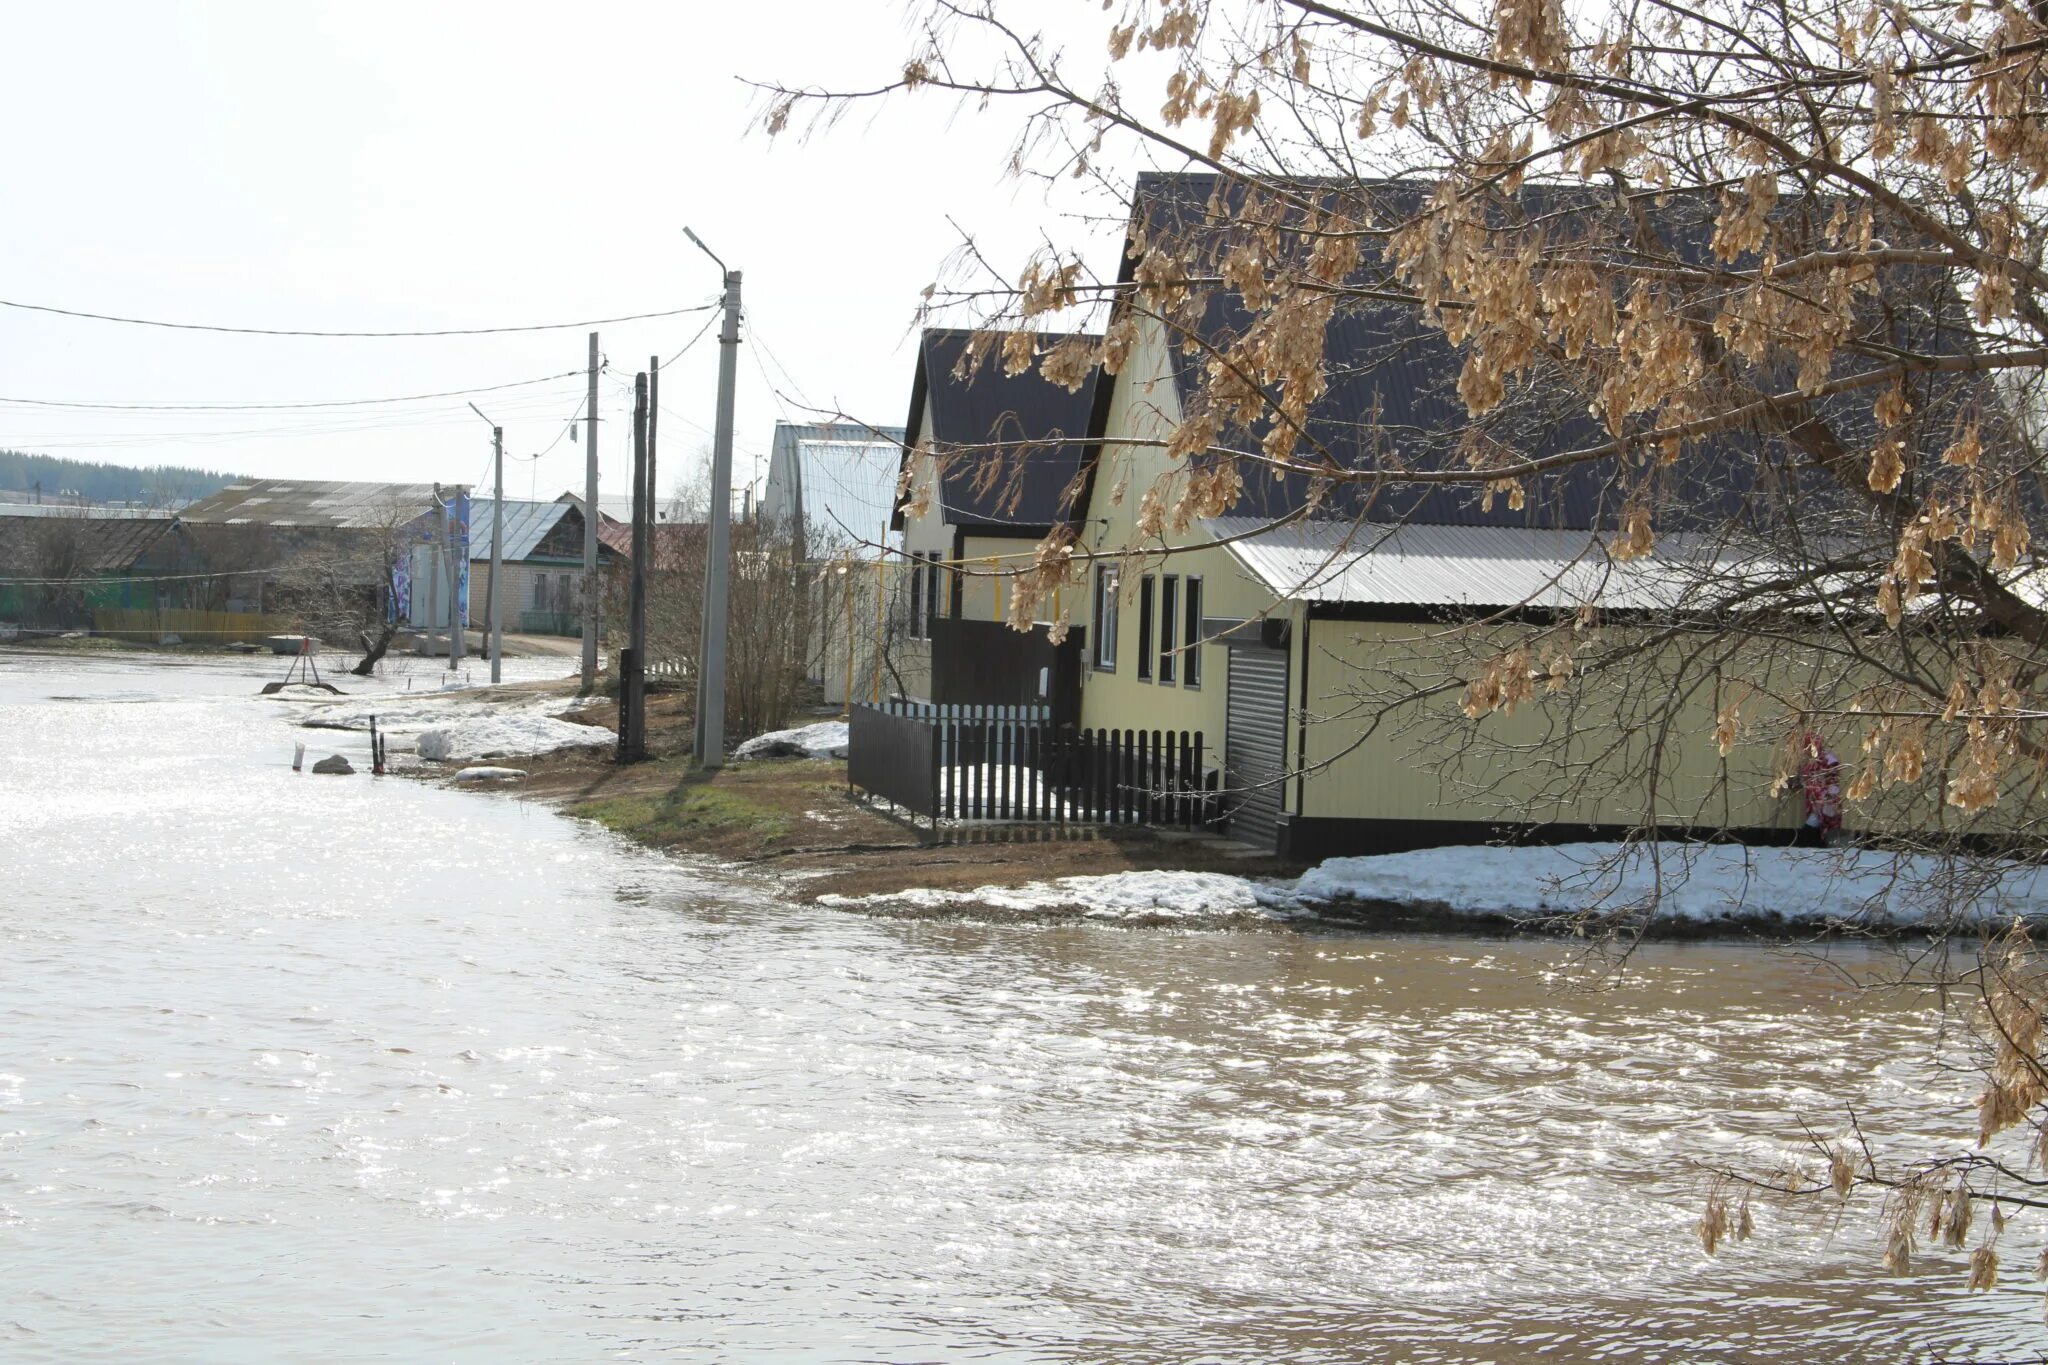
<point>764,644</point>
<point>342,585</point>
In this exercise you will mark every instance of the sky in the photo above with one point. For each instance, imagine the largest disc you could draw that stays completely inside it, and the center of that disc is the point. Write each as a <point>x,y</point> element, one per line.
<point>375,166</point>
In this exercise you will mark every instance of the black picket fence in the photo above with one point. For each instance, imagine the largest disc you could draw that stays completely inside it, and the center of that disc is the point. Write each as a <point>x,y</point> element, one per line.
<point>1031,771</point>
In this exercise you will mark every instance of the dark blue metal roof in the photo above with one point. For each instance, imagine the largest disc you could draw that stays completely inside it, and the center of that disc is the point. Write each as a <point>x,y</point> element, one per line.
<point>1012,486</point>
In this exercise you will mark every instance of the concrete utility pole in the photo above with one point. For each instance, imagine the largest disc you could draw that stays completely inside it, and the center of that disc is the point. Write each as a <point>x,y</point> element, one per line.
<point>632,673</point>
<point>718,555</point>
<point>494,621</point>
<point>453,549</point>
<point>590,515</point>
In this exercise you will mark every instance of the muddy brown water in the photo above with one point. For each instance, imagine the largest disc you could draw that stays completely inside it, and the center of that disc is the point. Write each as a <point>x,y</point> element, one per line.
<point>329,1068</point>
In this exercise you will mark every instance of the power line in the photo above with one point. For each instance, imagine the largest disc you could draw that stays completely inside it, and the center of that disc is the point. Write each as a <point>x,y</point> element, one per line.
<point>708,324</point>
<point>275,407</point>
<point>307,332</point>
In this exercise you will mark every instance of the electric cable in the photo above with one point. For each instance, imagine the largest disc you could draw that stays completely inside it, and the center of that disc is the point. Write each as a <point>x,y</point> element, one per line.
<point>276,407</point>
<point>310,332</point>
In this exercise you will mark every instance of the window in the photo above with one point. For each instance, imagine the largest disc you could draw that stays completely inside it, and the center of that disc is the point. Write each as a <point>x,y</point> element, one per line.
<point>1145,586</point>
<point>917,622</point>
<point>933,608</point>
<point>1191,633</point>
<point>1169,604</point>
<point>1106,586</point>
<point>540,592</point>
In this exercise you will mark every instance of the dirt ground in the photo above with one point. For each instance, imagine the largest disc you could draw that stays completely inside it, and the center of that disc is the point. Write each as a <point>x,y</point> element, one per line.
<point>794,819</point>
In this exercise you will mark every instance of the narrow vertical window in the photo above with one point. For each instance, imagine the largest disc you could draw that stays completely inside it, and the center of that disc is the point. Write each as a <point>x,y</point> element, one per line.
<point>1169,621</point>
<point>917,595</point>
<point>1105,618</point>
<point>1191,633</point>
<point>1145,586</point>
<point>931,590</point>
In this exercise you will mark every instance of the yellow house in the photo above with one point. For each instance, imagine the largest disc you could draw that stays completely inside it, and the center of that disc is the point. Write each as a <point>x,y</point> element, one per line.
<point>1287,631</point>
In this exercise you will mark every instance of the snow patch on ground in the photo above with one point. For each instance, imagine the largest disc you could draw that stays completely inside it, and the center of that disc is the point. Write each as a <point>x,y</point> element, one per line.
<point>1695,883</point>
<point>1698,883</point>
<point>1150,897</point>
<point>489,774</point>
<point>826,739</point>
<point>464,727</point>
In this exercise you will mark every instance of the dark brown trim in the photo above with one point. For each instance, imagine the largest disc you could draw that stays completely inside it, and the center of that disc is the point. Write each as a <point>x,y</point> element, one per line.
<point>1312,839</point>
<point>1301,723</point>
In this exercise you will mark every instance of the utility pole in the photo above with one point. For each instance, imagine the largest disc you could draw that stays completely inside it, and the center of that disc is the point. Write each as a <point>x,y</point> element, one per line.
<point>452,515</point>
<point>494,621</point>
<point>711,653</point>
<point>653,420</point>
<point>590,515</point>
<point>632,674</point>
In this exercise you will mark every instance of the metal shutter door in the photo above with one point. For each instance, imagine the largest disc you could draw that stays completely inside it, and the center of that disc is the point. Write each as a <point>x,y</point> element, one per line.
<point>1255,742</point>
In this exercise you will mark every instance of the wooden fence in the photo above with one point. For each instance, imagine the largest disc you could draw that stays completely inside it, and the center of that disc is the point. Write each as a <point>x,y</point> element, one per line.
<point>1029,770</point>
<point>150,624</point>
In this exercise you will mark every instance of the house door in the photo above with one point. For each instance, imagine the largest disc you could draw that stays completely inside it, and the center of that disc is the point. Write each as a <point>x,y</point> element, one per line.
<point>1255,742</point>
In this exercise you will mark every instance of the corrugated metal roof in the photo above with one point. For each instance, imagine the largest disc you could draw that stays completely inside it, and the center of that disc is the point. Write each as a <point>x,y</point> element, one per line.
<point>1018,486</point>
<point>313,502</point>
<point>1392,404</point>
<point>103,545</point>
<point>848,491</point>
<point>526,525</point>
<point>1473,566</point>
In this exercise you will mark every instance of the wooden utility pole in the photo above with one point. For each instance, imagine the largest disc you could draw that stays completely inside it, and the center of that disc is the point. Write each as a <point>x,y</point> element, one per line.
<point>632,676</point>
<point>653,421</point>
<point>591,593</point>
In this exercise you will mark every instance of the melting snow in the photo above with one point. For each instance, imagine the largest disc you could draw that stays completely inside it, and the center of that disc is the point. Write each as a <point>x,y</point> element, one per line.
<point>826,739</point>
<point>1703,884</point>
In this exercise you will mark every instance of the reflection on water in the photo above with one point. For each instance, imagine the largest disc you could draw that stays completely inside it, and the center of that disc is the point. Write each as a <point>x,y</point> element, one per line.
<point>294,1067</point>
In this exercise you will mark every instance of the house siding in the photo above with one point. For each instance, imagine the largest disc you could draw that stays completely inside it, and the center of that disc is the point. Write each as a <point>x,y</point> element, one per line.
<point>1143,406</point>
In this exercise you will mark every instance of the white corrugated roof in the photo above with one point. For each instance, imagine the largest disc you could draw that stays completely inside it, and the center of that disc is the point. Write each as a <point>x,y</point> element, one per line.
<point>849,489</point>
<point>526,525</point>
<point>1466,566</point>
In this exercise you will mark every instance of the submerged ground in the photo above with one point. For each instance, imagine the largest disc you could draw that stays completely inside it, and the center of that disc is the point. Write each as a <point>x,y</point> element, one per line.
<point>301,1067</point>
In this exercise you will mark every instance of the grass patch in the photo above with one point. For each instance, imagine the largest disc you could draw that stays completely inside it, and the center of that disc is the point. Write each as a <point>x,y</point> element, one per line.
<point>691,814</point>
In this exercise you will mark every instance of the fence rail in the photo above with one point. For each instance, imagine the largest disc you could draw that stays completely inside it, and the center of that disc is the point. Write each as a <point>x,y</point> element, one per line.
<point>149,624</point>
<point>1029,770</point>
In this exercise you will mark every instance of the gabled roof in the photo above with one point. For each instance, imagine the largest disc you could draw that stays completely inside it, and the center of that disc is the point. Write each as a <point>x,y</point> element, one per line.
<point>1020,487</point>
<point>104,544</point>
<point>848,492</point>
<point>313,502</point>
<point>671,540</point>
<point>1392,397</point>
<point>526,525</point>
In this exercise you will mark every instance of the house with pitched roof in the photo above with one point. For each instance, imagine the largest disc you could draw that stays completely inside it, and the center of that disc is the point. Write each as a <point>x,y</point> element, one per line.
<point>991,462</point>
<point>543,565</point>
<point>1272,626</point>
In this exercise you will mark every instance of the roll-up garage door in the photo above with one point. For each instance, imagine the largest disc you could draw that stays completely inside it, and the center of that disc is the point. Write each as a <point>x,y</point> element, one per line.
<point>1255,742</point>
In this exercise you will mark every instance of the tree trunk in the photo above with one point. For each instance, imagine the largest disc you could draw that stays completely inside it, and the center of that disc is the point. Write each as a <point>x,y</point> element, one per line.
<point>373,650</point>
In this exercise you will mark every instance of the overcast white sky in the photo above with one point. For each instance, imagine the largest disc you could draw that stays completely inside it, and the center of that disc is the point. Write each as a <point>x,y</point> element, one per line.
<point>386,166</point>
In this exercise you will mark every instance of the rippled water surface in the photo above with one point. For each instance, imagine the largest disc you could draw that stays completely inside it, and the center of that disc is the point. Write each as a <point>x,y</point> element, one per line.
<point>311,1068</point>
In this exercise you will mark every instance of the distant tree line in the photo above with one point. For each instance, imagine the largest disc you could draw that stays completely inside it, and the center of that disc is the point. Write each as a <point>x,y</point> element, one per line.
<point>157,486</point>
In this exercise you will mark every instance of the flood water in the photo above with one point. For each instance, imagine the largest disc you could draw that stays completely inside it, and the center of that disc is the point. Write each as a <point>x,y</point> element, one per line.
<point>299,1068</point>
